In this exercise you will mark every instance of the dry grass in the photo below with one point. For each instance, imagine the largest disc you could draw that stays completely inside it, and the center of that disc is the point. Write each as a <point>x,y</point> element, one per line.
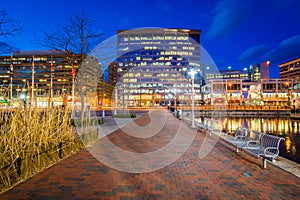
<point>33,138</point>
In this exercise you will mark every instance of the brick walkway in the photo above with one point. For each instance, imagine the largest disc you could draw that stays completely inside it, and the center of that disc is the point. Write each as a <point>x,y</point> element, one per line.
<point>222,174</point>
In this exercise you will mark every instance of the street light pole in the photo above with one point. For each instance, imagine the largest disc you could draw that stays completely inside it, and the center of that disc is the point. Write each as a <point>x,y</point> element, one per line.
<point>32,84</point>
<point>230,95</point>
<point>123,99</point>
<point>175,101</point>
<point>51,82</point>
<point>116,100</point>
<point>192,73</point>
<point>11,82</point>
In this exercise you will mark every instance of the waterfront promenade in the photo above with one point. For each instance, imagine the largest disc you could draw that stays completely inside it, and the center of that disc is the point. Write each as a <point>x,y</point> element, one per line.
<point>221,174</point>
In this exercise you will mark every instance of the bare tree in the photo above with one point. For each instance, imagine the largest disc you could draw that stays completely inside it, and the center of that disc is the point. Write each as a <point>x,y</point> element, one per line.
<point>77,36</point>
<point>8,27</point>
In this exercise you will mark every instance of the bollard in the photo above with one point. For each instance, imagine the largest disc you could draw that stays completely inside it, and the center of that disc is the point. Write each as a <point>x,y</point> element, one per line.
<point>98,132</point>
<point>60,150</point>
<point>100,121</point>
<point>18,164</point>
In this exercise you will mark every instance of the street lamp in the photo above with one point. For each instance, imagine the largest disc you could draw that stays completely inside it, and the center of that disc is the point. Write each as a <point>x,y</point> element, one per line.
<point>192,73</point>
<point>23,97</point>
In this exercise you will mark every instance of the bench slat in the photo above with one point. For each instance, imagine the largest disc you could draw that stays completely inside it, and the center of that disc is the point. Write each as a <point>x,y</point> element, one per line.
<point>267,148</point>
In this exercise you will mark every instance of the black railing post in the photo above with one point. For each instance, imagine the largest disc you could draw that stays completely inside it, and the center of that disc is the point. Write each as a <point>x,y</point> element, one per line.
<point>18,165</point>
<point>60,150</point>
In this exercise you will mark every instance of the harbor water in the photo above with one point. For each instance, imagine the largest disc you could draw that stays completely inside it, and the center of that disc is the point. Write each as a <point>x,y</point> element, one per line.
<point>279,126</point>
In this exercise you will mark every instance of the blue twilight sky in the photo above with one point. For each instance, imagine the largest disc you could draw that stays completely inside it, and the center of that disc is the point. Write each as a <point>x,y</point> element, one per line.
<point>236,33</point>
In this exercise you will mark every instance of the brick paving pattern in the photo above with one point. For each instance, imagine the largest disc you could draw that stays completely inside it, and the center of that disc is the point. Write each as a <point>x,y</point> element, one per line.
<point>222,174</point>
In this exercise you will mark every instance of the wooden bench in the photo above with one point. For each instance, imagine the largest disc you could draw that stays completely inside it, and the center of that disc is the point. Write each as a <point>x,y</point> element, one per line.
<point>266,147</point>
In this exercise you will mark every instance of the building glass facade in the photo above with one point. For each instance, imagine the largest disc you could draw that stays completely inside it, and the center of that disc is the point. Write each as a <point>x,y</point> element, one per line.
<point>153,65</point>
<point>228,74</point>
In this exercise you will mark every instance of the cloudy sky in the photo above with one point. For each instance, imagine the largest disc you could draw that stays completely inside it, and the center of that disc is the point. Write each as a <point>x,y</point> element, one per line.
<point>236,33</point>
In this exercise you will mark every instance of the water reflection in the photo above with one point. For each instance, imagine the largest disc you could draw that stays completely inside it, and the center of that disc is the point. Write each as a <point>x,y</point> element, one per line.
<point>283,127</point>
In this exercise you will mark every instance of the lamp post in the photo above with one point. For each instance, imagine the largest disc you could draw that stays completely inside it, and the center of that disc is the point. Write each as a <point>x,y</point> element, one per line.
<point>123,99</point>
<point>230,95</point>
<point>32,83</point>
<point>175,103</point>
<point>288,93</point>
<point>192,73</point>
<point>116,100</point>
<point>11,82</point>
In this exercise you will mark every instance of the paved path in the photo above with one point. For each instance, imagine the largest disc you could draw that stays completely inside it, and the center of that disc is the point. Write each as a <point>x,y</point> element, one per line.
<point>222,174</point>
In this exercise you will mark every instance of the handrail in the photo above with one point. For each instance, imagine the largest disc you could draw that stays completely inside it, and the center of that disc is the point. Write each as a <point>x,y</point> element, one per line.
<point>234,108</point>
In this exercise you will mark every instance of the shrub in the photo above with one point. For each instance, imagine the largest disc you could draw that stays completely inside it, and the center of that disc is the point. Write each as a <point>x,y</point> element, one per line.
<point>131,115</point>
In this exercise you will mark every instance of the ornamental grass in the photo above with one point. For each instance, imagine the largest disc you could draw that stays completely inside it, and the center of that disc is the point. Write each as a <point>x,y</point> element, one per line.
<point>32,139</point>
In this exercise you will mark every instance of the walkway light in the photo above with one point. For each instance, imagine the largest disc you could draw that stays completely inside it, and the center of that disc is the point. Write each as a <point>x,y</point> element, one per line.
<point>23,96</point>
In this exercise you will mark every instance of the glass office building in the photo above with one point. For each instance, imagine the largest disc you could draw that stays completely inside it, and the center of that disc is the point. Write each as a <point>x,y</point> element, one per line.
<point>153,65</point>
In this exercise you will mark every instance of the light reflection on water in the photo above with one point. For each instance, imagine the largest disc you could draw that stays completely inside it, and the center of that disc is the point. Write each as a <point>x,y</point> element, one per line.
<point>283,127</point>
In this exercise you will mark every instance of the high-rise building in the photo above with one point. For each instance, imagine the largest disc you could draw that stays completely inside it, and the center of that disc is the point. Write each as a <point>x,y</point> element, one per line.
<point>112,74</point>
<point>259,71</point>
<point>290,69</point>
<point>265,70</point>
<point>106,85</point>
<point>153,65</point>
<point>28,74</point>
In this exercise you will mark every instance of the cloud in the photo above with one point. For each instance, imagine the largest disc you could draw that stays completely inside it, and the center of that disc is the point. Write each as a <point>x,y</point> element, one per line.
<point>253,54</point>
<point>286,50</point>
<point>228,15</point>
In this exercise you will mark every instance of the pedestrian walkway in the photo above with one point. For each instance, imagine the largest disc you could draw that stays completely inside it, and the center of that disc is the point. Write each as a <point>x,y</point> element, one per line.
<point>222,174</point>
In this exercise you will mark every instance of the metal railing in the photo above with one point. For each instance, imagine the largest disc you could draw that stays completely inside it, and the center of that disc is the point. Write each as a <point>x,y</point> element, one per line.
<point>234,107</point>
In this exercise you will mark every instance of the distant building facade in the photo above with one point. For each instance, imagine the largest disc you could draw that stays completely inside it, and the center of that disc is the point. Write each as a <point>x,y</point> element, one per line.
<point>26,69</point>
<point>240,92</point>
<point>290,69</point>
<point>259,71</point>
<point>255,72</point>
<point>112,73</point>
<point>46,77</point>
<point>228,74</point>
<point>153,65</point>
